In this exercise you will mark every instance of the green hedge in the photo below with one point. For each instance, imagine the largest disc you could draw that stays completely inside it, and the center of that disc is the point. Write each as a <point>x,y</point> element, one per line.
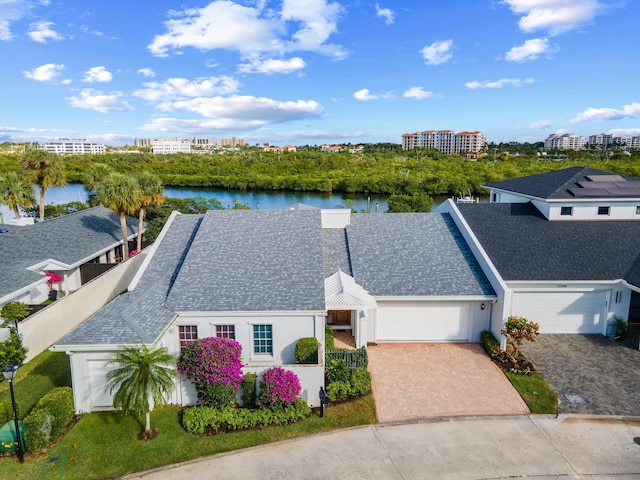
<point>201,420</point>
<point>490,344</point>
<point>306,351</point>
<point>6,412</point>
<point>248,385</point>
<point>359,383</point>
<point>329,341</point>
<point>48,418</point>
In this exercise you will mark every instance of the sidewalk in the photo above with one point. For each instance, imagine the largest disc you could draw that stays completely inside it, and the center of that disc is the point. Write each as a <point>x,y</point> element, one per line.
<point>473,448</point>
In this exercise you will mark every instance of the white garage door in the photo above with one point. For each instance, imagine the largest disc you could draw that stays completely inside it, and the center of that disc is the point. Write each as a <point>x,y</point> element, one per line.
<point>562,312</point>
<point>97,371</point>
<point>423,322</point>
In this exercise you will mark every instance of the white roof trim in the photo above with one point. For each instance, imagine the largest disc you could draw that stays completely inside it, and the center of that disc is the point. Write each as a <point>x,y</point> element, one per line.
<point>342,292</point>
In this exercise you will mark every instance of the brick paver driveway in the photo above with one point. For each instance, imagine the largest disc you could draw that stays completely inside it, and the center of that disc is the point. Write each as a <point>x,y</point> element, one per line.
<point>413,381</point>
<point>591,368</point>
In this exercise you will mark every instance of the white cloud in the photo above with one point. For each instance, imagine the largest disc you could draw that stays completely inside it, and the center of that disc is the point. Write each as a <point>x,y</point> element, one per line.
<point>530,50</point>
<point>516,82</point>
<point>147,72</point>
<point>417,92</point>
<point>97,74</point>
<point>13,10</point>
<point>319,134</point>
<point>252,31</point>
<point>41,32</point>
<point>540,124</point>
<point>385,13</point>
<point>180,88</point>
<point>95,100</point>
<point>604,114</point>
<point>437,52</point>
<point>365,95</point>
<point>555,16</point>
<point>248,108</point>
<point>5,30</point>
<point>272,65</point>
<point>624,132</point>
<point>196,126</point>
<point>44,73</point>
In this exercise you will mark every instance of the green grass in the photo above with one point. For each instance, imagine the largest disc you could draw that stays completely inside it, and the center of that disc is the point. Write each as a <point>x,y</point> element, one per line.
<point>104,445</point>
<point>36,378</point>
<point>535,392</point>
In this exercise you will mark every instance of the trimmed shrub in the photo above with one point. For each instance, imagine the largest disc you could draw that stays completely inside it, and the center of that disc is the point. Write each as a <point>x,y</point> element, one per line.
<point>329,341</point>
<point>306,350</point>
<point>200,420</point>
<point>6,412</point>
<point>360,382</point>
<point>214,366</point>
<point>490,344</point>
<point>37,430</point>
<point>337,370</point>
<point>278,388</point>
<point>248,386</point>
<point>338,391</point>
<point>12,350</point>
<point>59,404</point>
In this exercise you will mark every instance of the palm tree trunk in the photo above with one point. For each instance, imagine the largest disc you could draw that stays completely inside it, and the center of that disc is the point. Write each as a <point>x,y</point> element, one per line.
<point>16,211</point>
<point>41,203</point>
<point>140,221</point>
<point>123,226</point>
<point>147,427</point>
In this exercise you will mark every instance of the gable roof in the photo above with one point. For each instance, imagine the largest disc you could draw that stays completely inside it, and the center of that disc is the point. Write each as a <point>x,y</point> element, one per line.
<point>566,184</point>
<point>69,240</point>
<point>523,245</point>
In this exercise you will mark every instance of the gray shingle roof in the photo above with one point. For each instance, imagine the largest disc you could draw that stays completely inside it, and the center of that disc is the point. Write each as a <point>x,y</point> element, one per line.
<point>523,245</point>
<point>277,260</point>
<point>68,239</point>
<point>413,254</point>
<point>551,185</point>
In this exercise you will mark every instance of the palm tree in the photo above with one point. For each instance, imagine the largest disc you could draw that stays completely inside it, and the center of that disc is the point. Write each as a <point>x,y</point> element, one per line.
<point>142,379</point>
<point>48,171</point>
<point>121,193</point>
<point>15,192</point>
<point>92,177</point>
<point>152,193</point>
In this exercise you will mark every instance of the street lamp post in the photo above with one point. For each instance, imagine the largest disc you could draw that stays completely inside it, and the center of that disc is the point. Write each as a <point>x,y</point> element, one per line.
<point>9,373</point>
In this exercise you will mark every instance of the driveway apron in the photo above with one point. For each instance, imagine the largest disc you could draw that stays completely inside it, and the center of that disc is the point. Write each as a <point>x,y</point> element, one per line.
<point>413,381</point>
<point>591,374</point>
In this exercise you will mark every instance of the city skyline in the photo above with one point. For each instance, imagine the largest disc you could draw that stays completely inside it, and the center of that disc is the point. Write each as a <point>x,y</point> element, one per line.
<point>316,71</point>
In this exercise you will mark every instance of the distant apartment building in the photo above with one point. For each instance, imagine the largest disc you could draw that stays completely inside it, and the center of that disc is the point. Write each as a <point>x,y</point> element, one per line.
<point>142,142</point>
<point>286,148</point>
<point>203,142</point>
<point>565,142</point>
<point>174,145</point>
<point>231,142</point>
<point>627,142</point>
<point>446,141</point>
<point>602,140</point>
<point>72,146</point>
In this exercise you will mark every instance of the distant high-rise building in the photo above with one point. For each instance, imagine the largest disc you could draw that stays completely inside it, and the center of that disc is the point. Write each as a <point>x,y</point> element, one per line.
<point>565,142</point>
<point>447,141</point>
<point>202,142</point>
<point>602,140</point>
<point>171,145</point>
<point>230,142</point>
<point>72,146</point>
<point>142,142</point>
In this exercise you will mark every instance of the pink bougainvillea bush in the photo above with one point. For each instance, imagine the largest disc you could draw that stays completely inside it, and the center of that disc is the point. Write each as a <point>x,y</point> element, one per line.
<point>278,388</point>
<point>214,366</point>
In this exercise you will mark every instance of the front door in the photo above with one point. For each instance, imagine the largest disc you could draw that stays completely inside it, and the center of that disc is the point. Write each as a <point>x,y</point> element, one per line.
<point>339,317</point>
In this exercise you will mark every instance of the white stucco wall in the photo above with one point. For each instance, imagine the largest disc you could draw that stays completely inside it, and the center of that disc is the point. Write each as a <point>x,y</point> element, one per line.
<point>618,210</point>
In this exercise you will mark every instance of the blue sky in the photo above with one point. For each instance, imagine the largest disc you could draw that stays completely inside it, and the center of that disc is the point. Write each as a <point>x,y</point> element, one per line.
<point>317,71</point>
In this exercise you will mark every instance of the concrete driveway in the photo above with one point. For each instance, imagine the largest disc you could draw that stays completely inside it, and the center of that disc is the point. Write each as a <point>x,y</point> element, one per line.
<point>591,374</point>
<point>413,381</point>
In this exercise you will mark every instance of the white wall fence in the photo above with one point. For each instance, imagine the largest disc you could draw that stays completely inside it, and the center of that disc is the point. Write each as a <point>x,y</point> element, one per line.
<point>44,328</point>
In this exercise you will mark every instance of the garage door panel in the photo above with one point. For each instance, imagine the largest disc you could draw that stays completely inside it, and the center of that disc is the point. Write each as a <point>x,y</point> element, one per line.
<point>562,312</point>
<point>97,371</point>
<point>440,322</point>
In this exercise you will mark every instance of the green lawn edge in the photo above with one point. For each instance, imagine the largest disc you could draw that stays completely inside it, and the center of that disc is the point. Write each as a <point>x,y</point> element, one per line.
<point>535,391</point>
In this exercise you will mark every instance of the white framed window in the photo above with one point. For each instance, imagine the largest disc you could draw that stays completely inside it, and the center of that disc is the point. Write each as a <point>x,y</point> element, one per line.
<point>566,211</point>
<point>226,331</point>
<point>263,339</point>
<point>637,209</point>
<point>604,210</point>
<point>187,334</point>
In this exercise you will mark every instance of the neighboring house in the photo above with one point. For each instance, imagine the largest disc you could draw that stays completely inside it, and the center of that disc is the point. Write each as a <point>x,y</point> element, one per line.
<point>60,247</point>
<point>561,248</point>
<point>270,277</point>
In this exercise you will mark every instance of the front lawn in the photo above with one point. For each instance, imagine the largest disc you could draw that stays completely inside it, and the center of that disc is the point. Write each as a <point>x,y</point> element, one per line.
<point>535,392</point>
<point>104,445</point>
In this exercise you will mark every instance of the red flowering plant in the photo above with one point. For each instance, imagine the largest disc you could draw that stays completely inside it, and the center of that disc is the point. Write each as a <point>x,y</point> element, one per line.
<point>214,366</point>
<point>278,388</point>
<point>517,330</point>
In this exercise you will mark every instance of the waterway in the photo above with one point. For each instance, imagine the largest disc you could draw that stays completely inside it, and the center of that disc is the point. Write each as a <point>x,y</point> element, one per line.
<point>271,200</point>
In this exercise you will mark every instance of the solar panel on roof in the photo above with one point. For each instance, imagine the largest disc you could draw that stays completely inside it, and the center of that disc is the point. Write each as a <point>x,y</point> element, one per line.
<point>589,192</point>
<point>604,178</point>
<point>597,184</point>
<point>623,192</point>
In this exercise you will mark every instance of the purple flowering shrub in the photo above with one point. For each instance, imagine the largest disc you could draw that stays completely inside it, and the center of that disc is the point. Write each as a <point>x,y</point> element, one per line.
<point>214,366</point>
<point>278,388</point>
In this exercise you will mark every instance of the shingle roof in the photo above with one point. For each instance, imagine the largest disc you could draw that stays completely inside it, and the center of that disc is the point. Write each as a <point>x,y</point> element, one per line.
<point>523,245</point>
<point>413,254</point>
<point>276,260</point>
<point>551,185</point>
<point>68,239</point>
